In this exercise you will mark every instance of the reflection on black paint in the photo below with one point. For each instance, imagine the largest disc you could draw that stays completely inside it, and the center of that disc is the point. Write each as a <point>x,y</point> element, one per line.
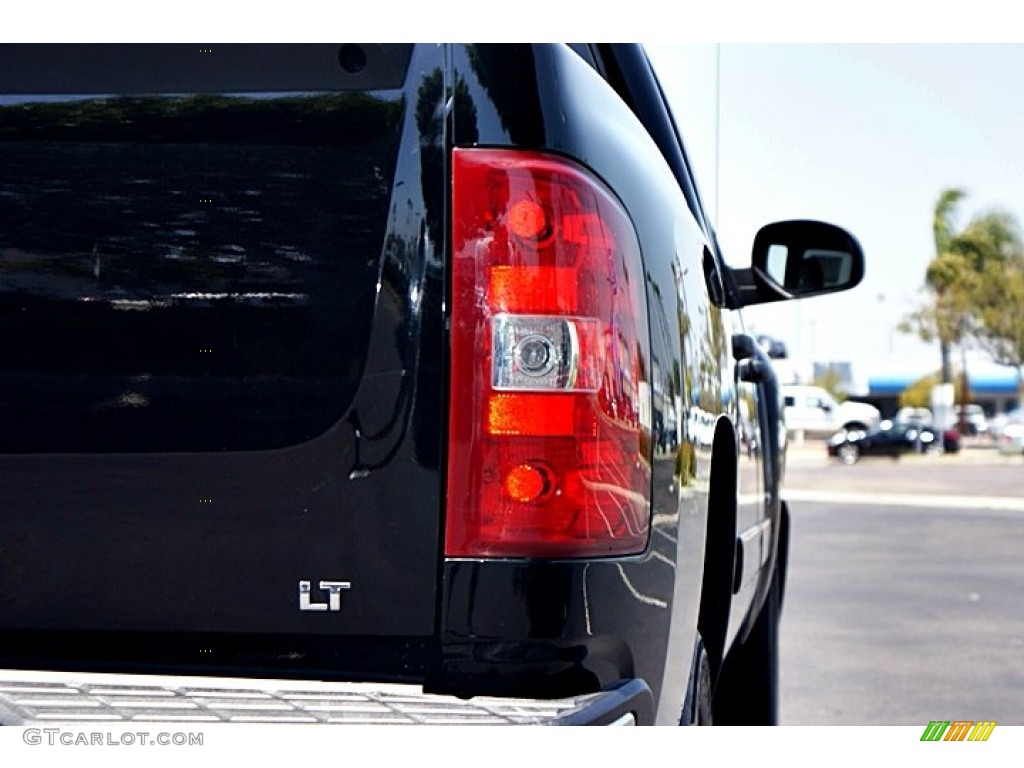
<point>431,124</point>
<point>312,119</point>
<point>506,73</point>
<point>187,274</point>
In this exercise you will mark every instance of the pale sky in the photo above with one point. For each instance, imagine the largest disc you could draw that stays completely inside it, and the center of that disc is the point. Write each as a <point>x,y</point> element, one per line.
<point>865,136</point>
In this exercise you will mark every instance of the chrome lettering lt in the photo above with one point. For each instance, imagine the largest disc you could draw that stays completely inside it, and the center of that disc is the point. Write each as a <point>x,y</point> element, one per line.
<point>333,590</point>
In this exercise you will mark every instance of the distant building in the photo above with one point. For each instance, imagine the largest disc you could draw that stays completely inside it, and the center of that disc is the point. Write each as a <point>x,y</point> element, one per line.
<point>993,388</point>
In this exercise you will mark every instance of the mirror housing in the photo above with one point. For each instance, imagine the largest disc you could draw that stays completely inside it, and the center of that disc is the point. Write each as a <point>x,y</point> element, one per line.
<point>799,259</point>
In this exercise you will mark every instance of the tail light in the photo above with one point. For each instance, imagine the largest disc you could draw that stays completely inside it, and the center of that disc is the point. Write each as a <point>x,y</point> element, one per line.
<point>549,427</point>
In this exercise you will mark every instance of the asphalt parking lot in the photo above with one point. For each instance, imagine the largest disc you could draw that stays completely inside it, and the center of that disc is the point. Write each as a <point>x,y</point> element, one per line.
<point>905,595</point>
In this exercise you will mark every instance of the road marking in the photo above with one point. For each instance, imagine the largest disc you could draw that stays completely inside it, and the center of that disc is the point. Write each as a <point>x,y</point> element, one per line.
<point>922,500</point>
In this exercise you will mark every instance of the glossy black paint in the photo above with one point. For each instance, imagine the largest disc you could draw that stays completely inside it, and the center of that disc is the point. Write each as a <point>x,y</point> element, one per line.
<point>77,68</point>
<point>172,528</point>
<point>181,293</point>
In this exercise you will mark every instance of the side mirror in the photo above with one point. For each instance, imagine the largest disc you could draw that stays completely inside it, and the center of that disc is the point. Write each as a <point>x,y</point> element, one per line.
<point>799,259</point>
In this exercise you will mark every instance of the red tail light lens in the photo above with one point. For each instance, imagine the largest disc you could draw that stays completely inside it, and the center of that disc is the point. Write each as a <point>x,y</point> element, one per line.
<point>550,402</point>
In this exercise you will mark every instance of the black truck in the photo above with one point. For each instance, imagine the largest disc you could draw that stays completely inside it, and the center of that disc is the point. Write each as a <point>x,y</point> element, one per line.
<point>383,383</point>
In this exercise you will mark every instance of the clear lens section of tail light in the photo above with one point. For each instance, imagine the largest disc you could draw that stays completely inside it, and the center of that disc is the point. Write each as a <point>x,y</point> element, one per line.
<point>543,353</point>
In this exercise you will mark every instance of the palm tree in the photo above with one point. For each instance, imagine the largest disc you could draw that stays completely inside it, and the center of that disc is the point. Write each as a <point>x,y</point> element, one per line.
<point>941,278</point>
<point>975,284</point>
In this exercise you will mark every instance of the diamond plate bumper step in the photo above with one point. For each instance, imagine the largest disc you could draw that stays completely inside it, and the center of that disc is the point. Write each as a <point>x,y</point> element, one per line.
<point>29,697</point>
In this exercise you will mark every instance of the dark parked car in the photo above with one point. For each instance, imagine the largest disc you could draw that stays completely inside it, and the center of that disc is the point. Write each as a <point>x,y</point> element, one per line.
<point>412,368</point>
<point>889,438</point>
